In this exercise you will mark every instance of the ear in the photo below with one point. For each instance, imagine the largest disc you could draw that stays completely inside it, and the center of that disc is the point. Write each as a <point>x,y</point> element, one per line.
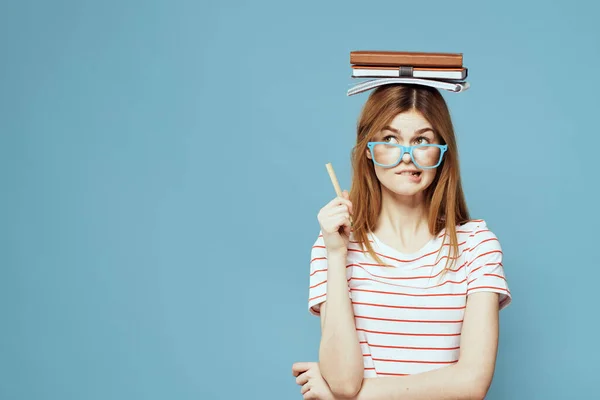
<point>368,153</point>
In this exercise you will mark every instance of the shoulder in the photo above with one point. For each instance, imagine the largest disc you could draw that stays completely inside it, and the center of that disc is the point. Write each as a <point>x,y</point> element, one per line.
<point>472,226</point>
<point>479,238</point>
<point>475,229</point>
<point>484,261</point>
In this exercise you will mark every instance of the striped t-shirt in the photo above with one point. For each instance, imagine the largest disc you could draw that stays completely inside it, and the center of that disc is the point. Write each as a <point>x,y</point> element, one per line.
<point>408,315</point>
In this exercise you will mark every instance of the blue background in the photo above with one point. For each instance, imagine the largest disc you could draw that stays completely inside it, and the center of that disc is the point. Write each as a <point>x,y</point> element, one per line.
<point>162,164</point>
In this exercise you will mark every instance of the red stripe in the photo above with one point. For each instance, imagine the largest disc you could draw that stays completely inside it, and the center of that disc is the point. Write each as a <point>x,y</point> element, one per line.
<point>318,270</point>
<point>397,285</point>
<point>379,276</point>
<point>478,268</point>
<point>485,254</point>
<point>378,265</point>
<point>397,259</point>
<point>418,258</point>
<point>496,276</point>
<point>415,259</point>
<point>408,294</point>
<point>409,307</point>
<point>360,265</point>
<point>483,241</point>
<point>409,320</point>
<point>468,249</point>
<point>405,294</point>
<point>386,256</point>
<point>416,361</point>
<point>318,284</point>
<point>392,284</point>
<point>415,295</point>
<point>476,232</point>
<point>421,266</point>
<point>438,261</point>
<point>408,334</point>
<point>390,374</point>
<point>413,348</point>
<point>316,297</point>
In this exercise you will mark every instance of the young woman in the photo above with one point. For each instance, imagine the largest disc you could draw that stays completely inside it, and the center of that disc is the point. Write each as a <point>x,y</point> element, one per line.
<point>408,287</point>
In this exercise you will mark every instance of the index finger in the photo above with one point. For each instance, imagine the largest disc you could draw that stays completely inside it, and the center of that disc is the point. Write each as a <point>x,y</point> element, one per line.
<point>340,200</point>
<point>300,367</point>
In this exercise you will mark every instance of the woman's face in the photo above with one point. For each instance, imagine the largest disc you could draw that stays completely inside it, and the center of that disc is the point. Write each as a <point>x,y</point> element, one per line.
<point>405,179</point>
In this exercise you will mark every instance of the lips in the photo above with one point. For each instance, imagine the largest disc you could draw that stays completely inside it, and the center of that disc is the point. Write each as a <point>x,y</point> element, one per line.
<point>412,175</point>
<point>412,172</point>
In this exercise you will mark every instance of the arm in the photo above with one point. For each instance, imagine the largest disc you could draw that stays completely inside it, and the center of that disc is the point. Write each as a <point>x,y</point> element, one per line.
<point>469,378</point>
<point>340,354</point>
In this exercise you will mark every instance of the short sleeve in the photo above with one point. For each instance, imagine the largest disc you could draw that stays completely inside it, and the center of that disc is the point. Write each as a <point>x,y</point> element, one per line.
<point>485,271</point>
<point>317,292</point>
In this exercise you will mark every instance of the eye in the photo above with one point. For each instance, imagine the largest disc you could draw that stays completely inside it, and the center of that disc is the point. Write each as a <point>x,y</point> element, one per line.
<point>385,138</point>
<point>422,140</point>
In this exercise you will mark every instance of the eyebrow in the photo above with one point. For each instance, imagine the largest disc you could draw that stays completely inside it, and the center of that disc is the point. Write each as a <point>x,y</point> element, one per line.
<point>420,131</point>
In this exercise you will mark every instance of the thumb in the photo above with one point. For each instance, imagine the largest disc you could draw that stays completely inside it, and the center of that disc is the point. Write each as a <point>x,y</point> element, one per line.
<point>345,194</point>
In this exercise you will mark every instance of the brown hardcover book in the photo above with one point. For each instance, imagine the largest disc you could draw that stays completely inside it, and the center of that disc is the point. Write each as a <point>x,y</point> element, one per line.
<point>406,58</point>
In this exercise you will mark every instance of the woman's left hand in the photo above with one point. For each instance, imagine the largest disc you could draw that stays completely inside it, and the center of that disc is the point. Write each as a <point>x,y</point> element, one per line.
<point>314,387</point>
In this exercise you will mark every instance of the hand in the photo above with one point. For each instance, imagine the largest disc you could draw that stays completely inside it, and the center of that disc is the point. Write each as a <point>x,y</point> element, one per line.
<point>334,219</point>
<point>314,387</point>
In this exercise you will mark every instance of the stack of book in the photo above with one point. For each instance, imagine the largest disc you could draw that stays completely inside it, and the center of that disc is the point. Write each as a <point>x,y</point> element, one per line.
<point>440,70</point>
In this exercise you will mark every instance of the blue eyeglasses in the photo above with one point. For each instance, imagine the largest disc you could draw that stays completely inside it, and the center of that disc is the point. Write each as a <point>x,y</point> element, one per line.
<point>424,156</point>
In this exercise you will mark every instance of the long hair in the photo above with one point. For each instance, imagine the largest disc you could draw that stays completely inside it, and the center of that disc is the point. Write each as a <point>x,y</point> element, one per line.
<point>444,198</point>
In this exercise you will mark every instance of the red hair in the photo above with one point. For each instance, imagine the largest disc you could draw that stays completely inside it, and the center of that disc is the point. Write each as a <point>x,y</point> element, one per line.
<point>445,200</point>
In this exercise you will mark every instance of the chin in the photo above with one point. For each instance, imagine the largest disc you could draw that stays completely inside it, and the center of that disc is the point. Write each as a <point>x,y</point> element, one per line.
<point>402,190</point>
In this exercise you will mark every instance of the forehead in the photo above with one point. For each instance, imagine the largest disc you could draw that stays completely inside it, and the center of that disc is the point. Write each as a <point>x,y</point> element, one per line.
<point>409,122</point>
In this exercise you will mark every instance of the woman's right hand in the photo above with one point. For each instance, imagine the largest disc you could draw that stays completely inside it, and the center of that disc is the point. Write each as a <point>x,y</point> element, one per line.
<point>334,219</point>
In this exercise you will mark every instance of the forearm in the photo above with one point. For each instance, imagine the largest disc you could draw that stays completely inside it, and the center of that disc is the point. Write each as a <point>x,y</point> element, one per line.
<point>340,354</point>
<point>453,382</point>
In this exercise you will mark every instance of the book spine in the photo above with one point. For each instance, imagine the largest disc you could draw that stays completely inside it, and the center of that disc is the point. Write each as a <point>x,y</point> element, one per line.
<point>425,60</point>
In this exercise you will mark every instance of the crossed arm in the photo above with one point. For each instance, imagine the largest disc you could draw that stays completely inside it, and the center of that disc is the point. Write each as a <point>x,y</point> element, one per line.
<point>469,378</point>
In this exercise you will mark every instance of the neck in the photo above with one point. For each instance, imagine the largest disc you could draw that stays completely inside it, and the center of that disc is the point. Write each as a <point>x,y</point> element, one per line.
<point>403,217</point>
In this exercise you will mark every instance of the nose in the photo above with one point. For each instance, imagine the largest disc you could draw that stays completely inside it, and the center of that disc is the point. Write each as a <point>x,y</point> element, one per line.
<point>406,158</point>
